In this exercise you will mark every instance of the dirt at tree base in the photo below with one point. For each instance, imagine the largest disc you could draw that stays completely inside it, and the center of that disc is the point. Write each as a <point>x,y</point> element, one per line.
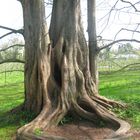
<point>80,132</point>
<point>84,131</point>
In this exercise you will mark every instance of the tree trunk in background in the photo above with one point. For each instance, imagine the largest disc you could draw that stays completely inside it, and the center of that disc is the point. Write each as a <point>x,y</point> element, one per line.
<point>93,49</point>
<point>58,78</point>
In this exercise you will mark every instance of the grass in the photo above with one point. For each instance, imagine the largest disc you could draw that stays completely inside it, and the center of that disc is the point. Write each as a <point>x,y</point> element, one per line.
<point>11,95</point>
<point>122,86</point>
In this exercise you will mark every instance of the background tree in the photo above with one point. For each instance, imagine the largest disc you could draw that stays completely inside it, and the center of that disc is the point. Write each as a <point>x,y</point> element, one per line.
<point>12,51</point>
<point>92,40</point>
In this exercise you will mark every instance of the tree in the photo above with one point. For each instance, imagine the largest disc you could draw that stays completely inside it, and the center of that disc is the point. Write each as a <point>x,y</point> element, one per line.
<point>93,49</point>
<point>12,53</point>
<point>58,75</point>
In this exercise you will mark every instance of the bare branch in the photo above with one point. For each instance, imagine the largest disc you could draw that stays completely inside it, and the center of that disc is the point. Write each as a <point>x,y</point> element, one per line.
<point>13,30</point>
<point>6,35</point>
<point>132,5</point>
<point>117,41</point>
<point>48,3</point>
<point>12,61</point>
<point>126,66</point>
<point>115,63</point>
<point>11,71</point>
<point>20,31</point>
<point>114,8</point>
<point>135,30</point>
<point>4,49</point>
<point>129,30</point>
<point>109,15</point>
<point>48,16</point>
<point>126,7</point>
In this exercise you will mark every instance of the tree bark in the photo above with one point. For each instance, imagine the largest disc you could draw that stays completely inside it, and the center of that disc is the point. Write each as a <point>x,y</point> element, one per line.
<point>93,49</point>
<point>36,55</point>
<point>58,78</point>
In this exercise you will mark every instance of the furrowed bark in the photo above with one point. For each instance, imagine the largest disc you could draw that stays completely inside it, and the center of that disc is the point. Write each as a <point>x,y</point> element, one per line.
<point>58,77</point>
<point>37,55</point>
<point>92,38</point>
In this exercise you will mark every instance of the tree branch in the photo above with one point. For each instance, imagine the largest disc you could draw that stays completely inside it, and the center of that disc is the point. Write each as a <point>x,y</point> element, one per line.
<point>128,66</point>
<point>129,30</point>
<point>117,41</point>
<point>20,31</point>
<point>4,49</point>
<point>108,18</point>
<point>11,71</point>
<point>133,5</point>
<point>12,61</point>
<point>6,35</point>
<point>48,3</point>
<point>126,7</point>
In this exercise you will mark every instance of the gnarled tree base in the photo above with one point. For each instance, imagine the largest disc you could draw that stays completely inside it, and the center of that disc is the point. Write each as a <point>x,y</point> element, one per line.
<point>84,107</point>
<point>77,131</point>
<point>58,77</point>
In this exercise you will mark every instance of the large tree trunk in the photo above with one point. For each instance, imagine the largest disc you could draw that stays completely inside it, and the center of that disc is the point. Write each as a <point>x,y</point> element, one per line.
<point>37,55</point>
<point>58,80</point>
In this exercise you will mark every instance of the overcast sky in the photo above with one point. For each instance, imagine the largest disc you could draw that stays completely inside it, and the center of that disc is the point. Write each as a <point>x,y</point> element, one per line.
<point>11,16</point>
<point>11,13</point>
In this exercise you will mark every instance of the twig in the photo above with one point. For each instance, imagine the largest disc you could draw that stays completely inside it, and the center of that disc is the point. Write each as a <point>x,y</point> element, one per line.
<point>6,35</point>
<point>117,41</point>
<point>4,49</point>
<point>12,60</point>
<point>128,66</point>
<point>11,71</point>
<point>20,31</point>
<point>109,15</point>
<point>133,5</point>
<point>129,30</point>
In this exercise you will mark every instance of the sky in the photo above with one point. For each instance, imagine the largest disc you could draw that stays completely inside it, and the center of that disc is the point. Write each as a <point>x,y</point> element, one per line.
<point>11,16</point>
<point>11,13</point>
<point>126,18</point>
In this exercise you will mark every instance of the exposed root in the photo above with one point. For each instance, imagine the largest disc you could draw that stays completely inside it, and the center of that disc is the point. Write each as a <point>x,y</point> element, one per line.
<point>47,118</point>
<point>106,115</point>
<point>84,113</point>
<point>109,102</point>
<point>91,90</point>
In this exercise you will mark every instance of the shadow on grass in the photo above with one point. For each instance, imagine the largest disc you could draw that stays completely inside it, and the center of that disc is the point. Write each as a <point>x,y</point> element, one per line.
<point>122,88</point>
<point>129,94</point>
<point>15,118</point>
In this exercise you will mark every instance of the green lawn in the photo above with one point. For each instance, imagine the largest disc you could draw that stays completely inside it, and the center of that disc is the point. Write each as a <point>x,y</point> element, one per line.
<point>125,87</point>
<point>122,86</point>
<point>11,95</point>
